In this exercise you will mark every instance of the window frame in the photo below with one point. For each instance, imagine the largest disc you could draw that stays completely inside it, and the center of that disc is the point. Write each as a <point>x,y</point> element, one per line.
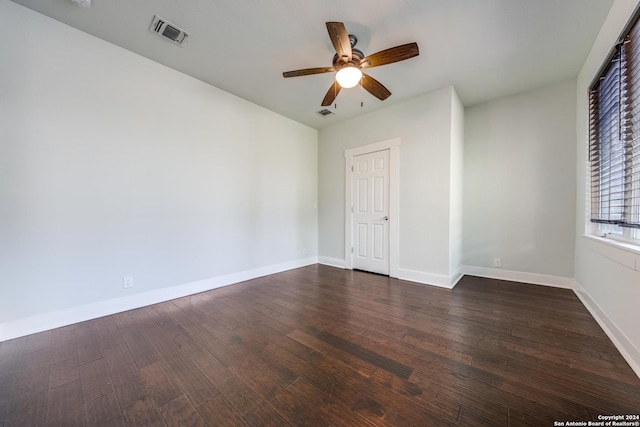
<point>620,234</point>
<point>624,233</point>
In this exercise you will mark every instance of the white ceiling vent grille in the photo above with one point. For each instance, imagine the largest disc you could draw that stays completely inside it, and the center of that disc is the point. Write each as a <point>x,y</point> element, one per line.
<point>169,31</point>
<point>325,112</point>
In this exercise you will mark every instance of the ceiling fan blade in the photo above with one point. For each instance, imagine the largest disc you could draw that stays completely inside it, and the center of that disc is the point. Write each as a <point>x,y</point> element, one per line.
<point>374,87</point>
<point>307,71</point>
<point>391,55</point>
<point>333,91</point>
<point>340,39</point>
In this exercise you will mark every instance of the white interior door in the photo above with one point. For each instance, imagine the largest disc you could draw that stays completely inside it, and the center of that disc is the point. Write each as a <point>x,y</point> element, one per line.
<point>371,212</point>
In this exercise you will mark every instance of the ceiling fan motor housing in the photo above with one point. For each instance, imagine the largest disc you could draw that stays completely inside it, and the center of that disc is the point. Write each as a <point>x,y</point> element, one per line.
<point>356,57</point>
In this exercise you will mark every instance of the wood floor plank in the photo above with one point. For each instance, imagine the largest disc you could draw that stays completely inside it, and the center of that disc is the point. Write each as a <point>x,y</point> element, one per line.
<point>197,387</point>
<point>561,338</point>
<point>62,407</point>
<point>141,350</point>
<point>124,319</point>
<point>429,398</point>
<point>95,380</point>
<point>384,412</point>
<point>432,345</point>
<point>496,389</point>
<point>33,372</point>
<point>180,412</point>
<point>215,346</point>
<point>448,398</point>
<point>11,352</point>
<point>584,387</point>
<point>259,377</point>
<point>263,317</point>
<point>303,404</point>
<point>392,366</point>
<point>167,323</point>
<point>217,412</point>
<point>249,405</point>
<point>324,346</point>
<point>214,371</point>
<point>284,341</point>
<point>5,398</point>
<point>367,397</point>
<point>143,412</point>
<point>472,418</point>
<point>298,412</point>
<point>191,347</point>
<point>63,344</point>
<point>161,384</point>
<point>39,341</point>
<point>28,408</point>
<point>104,411</point>
<point>87,343</point>
<point>126,378</point>
<point>362,366</point>
<point>191,320</point>
<point>266,379</point>
<point>108,332</point>
<point>63,372</point>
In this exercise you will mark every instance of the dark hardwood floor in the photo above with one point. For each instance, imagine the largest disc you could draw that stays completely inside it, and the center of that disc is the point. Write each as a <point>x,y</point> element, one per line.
<point>321,346</point>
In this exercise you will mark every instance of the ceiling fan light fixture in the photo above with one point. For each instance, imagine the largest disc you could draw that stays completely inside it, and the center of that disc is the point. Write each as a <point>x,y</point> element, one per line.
<point>348,76</point>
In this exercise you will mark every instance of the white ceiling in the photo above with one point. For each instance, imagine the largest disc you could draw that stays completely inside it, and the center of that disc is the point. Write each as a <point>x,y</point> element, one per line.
<point>485,48</point>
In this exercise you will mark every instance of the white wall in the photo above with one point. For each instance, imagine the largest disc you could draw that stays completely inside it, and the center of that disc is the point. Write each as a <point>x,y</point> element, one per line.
<point>456,180</point>
<point>424,125</point>
<point>608,278</point>
<point>519,185</point>
<point>112,165</point>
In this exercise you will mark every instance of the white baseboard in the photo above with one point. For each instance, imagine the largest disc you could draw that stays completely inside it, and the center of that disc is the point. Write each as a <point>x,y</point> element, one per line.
<point>409,275</point>
<point>456,277</point>
<point>42,322</point>
<point>624,345</point>
<point>519,276</point>
<point>429,278</point>
<point>332,262</point>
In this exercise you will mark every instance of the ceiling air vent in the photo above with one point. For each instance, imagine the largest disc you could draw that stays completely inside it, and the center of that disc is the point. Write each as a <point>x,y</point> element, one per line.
<point>169,31</point>
<point>325,112</point>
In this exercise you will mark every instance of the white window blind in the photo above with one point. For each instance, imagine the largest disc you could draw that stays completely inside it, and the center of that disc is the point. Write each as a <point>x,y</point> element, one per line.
<point>614,136</point>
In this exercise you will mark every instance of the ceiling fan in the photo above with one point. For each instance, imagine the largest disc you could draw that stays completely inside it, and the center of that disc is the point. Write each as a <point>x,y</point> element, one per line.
<point>349,62</point>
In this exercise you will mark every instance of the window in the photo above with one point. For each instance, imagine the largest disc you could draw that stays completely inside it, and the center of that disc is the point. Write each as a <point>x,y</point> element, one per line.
<point>614,141</point>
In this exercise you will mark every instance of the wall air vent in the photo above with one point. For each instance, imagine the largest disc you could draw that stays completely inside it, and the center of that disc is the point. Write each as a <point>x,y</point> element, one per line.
<point>166,29</point>
<point>325,112</point>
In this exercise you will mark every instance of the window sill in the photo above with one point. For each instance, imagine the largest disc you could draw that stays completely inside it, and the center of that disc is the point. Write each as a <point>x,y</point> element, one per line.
<point>623,253</point>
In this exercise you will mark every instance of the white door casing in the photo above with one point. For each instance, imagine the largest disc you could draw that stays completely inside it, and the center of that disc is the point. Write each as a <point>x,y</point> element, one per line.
<point>371,187</point>
<point>371,212</point>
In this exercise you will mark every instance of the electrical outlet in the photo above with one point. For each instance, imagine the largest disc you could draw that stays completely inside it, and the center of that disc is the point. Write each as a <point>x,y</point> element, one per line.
<point>497,262</point>
<point>127,282</point>
<point>304,251</point>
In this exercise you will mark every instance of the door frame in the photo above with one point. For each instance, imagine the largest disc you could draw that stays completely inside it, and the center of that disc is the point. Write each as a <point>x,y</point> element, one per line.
<point>393,145</point>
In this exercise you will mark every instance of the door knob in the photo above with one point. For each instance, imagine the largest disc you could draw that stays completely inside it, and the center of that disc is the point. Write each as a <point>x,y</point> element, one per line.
<point>386,218</point>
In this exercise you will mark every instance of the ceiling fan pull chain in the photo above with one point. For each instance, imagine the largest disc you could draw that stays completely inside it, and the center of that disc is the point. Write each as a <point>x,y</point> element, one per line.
<point>361,101</point>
